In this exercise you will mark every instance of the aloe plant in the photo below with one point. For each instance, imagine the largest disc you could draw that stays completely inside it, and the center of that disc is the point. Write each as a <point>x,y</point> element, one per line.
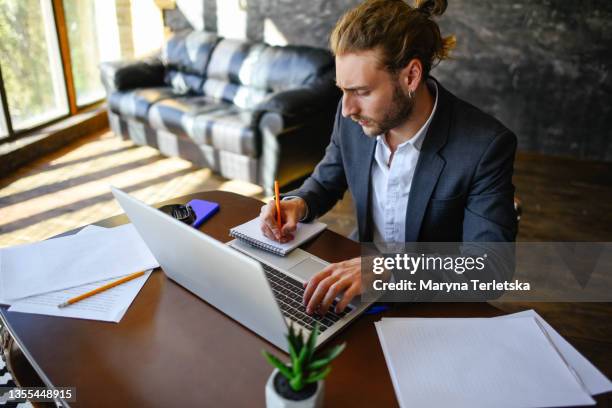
<point>305,367</point>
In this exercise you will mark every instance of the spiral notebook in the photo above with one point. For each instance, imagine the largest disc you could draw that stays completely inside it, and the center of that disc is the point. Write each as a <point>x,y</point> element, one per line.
<point>251,232</point>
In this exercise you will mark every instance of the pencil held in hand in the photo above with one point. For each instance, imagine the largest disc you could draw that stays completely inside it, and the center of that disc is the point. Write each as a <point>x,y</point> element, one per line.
<point>101,289</point>
<point>277,202</point>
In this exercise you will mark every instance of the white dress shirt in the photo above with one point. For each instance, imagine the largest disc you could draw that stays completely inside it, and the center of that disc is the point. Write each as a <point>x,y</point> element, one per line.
<point>390,184</point>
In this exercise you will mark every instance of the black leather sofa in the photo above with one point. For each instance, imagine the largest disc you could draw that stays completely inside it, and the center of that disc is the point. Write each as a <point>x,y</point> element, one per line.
<point>248,111</point>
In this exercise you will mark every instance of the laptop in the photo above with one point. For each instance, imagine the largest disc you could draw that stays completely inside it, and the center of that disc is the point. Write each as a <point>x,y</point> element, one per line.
<point>262,291</point>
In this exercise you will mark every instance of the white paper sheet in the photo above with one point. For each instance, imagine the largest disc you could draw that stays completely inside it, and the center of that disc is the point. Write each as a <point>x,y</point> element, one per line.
<point>108,306</point>
<point>592,378</point>
<point>75,260</point>
<point>476,363</point>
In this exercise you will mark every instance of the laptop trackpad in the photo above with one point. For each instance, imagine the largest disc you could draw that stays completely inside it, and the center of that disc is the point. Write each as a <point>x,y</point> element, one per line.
<point>307,268</point>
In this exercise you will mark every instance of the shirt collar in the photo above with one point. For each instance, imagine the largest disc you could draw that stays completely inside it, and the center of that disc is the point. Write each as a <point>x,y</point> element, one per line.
<point>417,140</point>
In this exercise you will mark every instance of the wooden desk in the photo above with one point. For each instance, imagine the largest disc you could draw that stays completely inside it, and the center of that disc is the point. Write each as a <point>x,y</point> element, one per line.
<point>173,349</point>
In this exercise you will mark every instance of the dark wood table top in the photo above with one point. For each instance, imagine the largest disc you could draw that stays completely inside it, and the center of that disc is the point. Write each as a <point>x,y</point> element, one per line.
<point>173,349</point>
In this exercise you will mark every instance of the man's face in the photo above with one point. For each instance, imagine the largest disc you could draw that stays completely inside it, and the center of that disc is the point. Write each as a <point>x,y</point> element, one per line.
<point>372,96</point>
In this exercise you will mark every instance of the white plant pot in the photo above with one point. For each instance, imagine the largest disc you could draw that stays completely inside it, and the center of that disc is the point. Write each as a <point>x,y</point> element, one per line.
<point>275,400</point>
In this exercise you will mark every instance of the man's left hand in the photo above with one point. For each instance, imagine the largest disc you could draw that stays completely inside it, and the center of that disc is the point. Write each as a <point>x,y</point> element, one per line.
<point>325,286</point>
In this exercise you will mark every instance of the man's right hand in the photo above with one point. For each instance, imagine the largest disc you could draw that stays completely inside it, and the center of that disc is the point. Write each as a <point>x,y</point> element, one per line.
<point>292,211</point>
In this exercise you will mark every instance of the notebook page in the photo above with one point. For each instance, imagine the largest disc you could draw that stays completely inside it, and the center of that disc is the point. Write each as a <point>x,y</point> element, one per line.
<point>304,232</point>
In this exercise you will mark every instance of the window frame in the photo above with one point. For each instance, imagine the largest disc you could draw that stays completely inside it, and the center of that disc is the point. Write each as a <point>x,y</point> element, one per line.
<point>61,31</point>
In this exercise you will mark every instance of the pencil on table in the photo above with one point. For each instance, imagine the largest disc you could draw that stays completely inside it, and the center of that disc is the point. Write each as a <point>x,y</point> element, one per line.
<point>101,289</point>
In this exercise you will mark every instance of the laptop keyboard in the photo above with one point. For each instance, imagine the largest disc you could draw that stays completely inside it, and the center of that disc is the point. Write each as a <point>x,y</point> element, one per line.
<point>290,294</point>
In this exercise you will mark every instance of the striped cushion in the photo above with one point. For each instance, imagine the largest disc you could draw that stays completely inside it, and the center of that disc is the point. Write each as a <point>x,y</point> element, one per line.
<point>294,66</point>
<point>189,52</point>
<point>244,74</point>
<point>206,121</point>
<point>236,73</point>
<point>172,114</point>
<point>264,67</point>
<point>183,83</point>
<point>228,129</point>
<point>228,58</point>
<point>136,103</point>
<point>242,96</point>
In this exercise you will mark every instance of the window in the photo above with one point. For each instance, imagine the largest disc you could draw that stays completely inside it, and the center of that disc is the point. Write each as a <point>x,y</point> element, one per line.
<point>93,38</point>
<point>3,127</point>
<point>50,51</point>
<point>31,63</point>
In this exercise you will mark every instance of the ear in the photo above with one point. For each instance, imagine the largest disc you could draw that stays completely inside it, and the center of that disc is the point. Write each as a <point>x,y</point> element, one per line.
<point>411,75</point>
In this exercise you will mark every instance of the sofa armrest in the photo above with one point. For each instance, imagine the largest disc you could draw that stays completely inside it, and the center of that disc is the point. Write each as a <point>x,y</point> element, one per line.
<point>125,75</point>
<point>298,104</point>
<point>295,127</point>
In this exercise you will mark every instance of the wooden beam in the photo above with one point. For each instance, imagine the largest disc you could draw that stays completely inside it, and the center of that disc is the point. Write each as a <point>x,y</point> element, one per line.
<point>64,45</point>
<point>5,111</point>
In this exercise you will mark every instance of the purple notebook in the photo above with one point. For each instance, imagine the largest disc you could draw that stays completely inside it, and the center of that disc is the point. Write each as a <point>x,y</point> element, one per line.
<point>203,210</point>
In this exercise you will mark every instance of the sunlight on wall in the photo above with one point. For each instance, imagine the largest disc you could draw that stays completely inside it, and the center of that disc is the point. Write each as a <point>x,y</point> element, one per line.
<point>107,30</point>
<point>231,19</point>
<point>147,27</point>
<point>193,12</point>
<point>272,35</point>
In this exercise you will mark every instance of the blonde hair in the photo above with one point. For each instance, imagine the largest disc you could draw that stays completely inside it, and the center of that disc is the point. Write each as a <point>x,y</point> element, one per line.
<point>400,31</point>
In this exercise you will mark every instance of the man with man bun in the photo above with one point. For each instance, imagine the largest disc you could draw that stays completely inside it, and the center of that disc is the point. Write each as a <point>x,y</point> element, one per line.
<point>420,163</point>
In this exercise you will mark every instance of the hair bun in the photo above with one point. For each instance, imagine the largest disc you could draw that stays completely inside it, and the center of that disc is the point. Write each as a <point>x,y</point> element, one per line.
<point>432,7</point>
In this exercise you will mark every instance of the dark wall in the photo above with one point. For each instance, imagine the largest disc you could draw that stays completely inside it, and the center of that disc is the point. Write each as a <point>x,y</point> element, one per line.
<point>541,67</point>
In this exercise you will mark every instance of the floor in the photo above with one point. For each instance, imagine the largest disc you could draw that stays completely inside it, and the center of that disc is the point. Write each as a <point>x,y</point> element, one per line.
<point>70,187</point>
<point>562,200</point>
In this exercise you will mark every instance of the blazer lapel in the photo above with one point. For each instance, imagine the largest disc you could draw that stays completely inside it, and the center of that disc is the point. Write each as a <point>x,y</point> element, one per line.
<point>429,166</point>
<point>361,192</point>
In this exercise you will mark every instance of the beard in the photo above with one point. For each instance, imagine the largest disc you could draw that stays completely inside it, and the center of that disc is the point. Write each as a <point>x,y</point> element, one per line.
<point>399,111</point>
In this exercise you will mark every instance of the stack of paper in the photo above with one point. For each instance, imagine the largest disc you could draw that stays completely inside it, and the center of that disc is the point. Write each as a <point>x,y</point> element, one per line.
<point>591,377</point>
<point>506,362</point>
<point>36,278</point>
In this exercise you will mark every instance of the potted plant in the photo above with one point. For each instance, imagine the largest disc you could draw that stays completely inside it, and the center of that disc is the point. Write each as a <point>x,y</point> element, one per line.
<point>299,384</point>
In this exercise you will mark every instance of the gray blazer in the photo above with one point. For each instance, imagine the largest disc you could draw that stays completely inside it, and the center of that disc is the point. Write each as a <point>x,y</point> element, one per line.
<point>462,187</point>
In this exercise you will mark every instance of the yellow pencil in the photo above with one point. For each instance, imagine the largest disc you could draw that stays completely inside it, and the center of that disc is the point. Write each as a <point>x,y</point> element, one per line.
<point>101,289</point>
<point>277,202</point>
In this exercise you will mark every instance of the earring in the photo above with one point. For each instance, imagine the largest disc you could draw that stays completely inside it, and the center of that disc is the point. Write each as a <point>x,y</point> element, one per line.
<point>411,94</point>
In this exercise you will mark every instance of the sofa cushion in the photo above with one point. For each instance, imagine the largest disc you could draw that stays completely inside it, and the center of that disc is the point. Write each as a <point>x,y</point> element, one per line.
<point>183,83</point>
<point>189,52</point>
<point>245,97</point>
<point>294,66</point>
<point>265,67</point>
<point>235,73</point>
<point>234,60</point>
<point>186,57</point>
<point>207,121</point>
<point>243,73</point>
<point>136,103</point>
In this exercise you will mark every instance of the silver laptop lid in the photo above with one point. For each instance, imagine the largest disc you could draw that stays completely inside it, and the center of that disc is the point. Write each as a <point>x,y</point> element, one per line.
<point>223,277</point>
